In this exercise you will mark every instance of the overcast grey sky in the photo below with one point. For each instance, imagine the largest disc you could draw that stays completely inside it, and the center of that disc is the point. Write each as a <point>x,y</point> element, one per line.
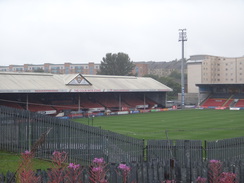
<point>81,31</point>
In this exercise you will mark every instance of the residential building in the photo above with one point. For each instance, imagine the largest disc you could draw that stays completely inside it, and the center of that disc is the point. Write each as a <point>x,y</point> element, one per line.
<point>141,68</point>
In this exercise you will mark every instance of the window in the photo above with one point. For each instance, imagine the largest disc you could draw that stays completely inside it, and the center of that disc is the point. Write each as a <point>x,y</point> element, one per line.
<point>78,69</point>
<point>137,70</point>
<point>91,70</point>
<point>18,69</point>
<point>55,68</point>
<point>67,70</point>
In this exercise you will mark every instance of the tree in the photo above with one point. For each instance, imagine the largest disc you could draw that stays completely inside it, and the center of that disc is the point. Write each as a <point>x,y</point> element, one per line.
<point>116,64</point>
<point>168,81</point>
<point>176,76</point>
<point>172,84</point>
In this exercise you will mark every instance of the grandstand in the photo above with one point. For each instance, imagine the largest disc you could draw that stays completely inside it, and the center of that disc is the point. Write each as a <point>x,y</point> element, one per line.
<point>221,96</point>
<point>78,95</point>
<point>215,82</point>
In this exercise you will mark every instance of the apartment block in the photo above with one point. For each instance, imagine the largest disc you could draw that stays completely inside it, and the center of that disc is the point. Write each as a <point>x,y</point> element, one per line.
<point>207,69</point>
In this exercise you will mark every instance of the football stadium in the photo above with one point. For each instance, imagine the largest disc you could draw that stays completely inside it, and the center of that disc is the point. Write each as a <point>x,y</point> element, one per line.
<point>41,107</point>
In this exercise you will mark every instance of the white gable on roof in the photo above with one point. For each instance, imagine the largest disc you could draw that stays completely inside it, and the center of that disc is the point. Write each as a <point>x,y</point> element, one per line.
<point>78,80</point>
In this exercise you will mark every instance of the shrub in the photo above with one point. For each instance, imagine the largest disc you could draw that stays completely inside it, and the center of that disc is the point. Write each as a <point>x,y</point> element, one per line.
<point>216,175</point>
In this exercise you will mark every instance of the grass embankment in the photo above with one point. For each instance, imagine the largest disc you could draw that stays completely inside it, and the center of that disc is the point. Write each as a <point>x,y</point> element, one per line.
<point>10,162</point>
<point>180,124</point>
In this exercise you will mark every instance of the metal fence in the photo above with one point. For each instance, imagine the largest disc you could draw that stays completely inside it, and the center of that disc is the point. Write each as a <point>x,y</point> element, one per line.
<point>19,129</point>
<point>149,172</point>
<point>182,151</point>
<point>227,149</point>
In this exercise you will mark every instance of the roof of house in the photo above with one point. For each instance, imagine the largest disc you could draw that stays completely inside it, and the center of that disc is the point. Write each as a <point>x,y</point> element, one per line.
<point>12,82</point>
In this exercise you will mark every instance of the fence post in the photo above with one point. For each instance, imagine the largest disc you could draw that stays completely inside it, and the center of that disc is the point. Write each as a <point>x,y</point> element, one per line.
<point>187,160</point>
<point>205,150</point>
<point>29,132</point>
<point>58,137</point>
<point>144,151</point>
<point>172,168</point>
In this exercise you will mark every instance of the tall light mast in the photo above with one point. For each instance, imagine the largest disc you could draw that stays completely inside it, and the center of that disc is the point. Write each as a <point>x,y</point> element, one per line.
<point>182,38</point>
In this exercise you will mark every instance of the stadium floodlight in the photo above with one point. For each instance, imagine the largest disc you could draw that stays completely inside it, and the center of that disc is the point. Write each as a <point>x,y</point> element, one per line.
<point>182,38</point>
<point>182,35</point>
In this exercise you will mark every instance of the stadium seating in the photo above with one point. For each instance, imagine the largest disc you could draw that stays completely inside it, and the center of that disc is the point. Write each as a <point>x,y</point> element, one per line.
<point>128,101</point>
<point>89,103</point>
<point>11,104</point>
<point>240,103</point>
<point>108,101</point>
<point>39,107</point>
<point>150,103</point>
<point>133,101</point>
<point>228,103</point>
<point>213,102</point>
<point>62,105</point>
<point>224,100</point>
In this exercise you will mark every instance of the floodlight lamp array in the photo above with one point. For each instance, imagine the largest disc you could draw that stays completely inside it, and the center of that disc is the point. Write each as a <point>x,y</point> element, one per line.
<point>182,35</point>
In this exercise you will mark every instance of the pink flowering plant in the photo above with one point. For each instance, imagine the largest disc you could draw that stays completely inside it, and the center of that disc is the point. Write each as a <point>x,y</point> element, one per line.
<point>124,171</point>
<point>169,181</point>
<point>227,177</point>
<point>216,175</point>
<point>56,175</point>
<point>74,166</point>
<point>201,180</point>
<point>73,173</point>
<point>59,158</point>
<point>215,168</point>
<point>98,171</point>
<point>25,173</point>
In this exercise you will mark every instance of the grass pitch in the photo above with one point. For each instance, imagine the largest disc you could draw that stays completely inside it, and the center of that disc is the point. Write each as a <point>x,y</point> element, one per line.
<point>180,124</point>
